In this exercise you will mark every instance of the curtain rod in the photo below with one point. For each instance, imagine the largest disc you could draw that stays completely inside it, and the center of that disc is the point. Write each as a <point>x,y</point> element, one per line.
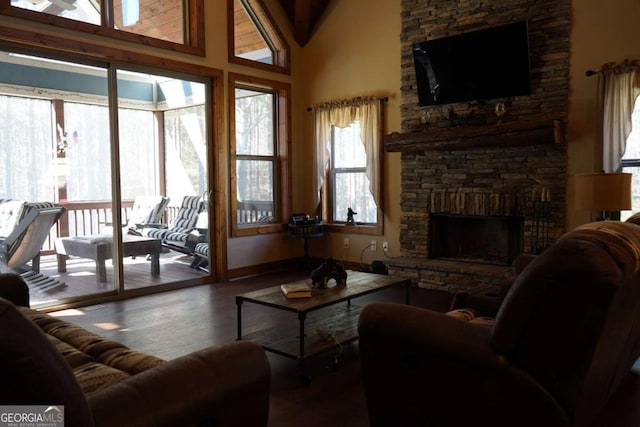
<point>623,66</point>
<point>384,99</point>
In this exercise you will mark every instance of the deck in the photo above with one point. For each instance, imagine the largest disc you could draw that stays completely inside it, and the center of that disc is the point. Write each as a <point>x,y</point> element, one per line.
<point>81,280</point>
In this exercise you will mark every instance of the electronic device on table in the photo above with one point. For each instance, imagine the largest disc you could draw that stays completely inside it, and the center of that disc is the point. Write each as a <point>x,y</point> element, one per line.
<point>297,219</point>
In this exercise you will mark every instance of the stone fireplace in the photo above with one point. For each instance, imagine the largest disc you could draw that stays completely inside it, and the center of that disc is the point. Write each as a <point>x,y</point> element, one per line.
<point>460,163</point>
<point>466,214</point>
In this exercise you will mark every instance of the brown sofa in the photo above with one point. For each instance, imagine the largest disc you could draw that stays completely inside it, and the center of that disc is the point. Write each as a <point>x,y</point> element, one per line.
<point>48,361</point>
<point>560,352</point>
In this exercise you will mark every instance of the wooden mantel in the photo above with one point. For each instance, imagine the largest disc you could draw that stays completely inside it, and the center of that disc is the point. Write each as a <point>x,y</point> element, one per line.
<point>465,137</point>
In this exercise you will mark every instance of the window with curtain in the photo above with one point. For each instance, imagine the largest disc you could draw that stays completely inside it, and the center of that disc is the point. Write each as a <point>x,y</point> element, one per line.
<point>349,184</point>
<point>618,93</point>
<point>348,138</point>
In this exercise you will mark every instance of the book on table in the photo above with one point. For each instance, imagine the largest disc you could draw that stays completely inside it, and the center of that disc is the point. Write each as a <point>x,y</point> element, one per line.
<point>301,289</point>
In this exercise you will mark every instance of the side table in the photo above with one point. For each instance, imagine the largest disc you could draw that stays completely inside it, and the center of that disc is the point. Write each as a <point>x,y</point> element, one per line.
<point>306,230</point>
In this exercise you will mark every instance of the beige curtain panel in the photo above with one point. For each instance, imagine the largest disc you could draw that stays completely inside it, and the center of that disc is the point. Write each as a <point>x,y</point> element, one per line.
<point>618,89</point>
<point>368,111</point>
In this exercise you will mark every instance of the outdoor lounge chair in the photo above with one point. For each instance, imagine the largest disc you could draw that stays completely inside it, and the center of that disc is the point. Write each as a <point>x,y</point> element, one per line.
<point>175,235</point>
<point>146,212</point>
<point>23,245</point>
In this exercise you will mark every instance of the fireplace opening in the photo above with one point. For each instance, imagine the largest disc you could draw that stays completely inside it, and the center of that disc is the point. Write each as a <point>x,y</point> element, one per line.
<point>476,238</point>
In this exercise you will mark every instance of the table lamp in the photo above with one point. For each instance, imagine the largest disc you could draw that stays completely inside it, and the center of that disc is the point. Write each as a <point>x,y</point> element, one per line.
<point>603,192</point>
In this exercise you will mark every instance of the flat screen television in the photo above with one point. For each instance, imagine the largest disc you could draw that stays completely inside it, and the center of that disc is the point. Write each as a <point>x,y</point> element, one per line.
<point>474,66</point>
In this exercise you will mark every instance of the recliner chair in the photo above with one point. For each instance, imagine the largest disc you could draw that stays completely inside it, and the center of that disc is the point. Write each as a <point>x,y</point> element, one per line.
<point>146,212</point>
<point>560,352</point>
<point>23,245</point>
<point>175,235</point>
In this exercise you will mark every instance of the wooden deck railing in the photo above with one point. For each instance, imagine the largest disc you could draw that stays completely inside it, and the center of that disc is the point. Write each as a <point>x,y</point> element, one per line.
<point>254,211</point>
<point>90,218</point>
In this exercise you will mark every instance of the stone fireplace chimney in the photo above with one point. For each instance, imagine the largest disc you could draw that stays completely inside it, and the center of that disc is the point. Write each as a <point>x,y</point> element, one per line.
<point>458,160</point>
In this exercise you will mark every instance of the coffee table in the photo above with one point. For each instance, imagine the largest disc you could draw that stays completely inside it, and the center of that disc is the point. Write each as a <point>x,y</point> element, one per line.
<point>98,248</point>
<point>293,340</point>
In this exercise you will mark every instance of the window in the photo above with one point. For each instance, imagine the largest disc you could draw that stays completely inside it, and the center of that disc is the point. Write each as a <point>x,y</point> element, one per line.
<point>631,161</point>
<point>349,182</point>
<point>169,24</point>
<point>259,148</point>
<point>254,39</point>
<point>349,164</point>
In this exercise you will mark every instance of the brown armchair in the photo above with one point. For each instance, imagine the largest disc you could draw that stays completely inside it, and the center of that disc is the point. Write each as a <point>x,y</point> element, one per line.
<point>560,351</point>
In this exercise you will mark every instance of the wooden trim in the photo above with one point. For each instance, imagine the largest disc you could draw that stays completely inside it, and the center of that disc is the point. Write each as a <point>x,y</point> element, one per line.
<point>283,197</point>
<point>29,39</point>
<point>463,137</point>
<point>194,35</point>
<point>217,181</point>
<point>353,229</point>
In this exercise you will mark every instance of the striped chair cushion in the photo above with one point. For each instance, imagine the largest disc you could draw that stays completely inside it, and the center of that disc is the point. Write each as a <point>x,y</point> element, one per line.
<point>184,222</point>
<point>202,249</point>
<point>156,233</point>
<point>177,236</point>
<point>187,215</point>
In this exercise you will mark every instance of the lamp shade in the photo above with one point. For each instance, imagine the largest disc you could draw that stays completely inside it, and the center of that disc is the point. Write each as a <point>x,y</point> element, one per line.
<point>603,191</point>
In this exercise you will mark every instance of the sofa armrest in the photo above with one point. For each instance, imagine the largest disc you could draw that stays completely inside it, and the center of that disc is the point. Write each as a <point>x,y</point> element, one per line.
<point>227,385</point>
<point>421,367</point>
<point>14,289</point>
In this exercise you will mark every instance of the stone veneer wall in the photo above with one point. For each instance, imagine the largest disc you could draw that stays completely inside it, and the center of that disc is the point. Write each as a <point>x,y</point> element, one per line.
<point>493,180</point>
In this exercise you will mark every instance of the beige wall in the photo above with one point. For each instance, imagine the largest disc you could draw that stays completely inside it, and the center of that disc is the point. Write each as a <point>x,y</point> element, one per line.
<point>601,32</point>
<point>356,51</point>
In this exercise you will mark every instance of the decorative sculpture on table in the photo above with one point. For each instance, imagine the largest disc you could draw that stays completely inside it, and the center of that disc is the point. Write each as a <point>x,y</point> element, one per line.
<point>329,269</point>
<point>350,214</point>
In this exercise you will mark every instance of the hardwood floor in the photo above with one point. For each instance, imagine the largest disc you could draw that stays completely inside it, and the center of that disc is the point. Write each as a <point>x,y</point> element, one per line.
<point>175,323</point>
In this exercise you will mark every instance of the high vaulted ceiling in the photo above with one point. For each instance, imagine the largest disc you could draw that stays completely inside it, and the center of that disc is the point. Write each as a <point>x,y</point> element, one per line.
<point>304,15</point>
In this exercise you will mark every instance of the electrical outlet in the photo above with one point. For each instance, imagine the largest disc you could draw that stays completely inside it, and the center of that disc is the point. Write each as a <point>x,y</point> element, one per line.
<point>385,246</point>
<point>374,245</point>
<point>345,243</point>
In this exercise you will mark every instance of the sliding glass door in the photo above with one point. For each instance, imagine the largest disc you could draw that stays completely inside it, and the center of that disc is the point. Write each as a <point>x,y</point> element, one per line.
<point>125,153</point>
<point>163,173</point>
